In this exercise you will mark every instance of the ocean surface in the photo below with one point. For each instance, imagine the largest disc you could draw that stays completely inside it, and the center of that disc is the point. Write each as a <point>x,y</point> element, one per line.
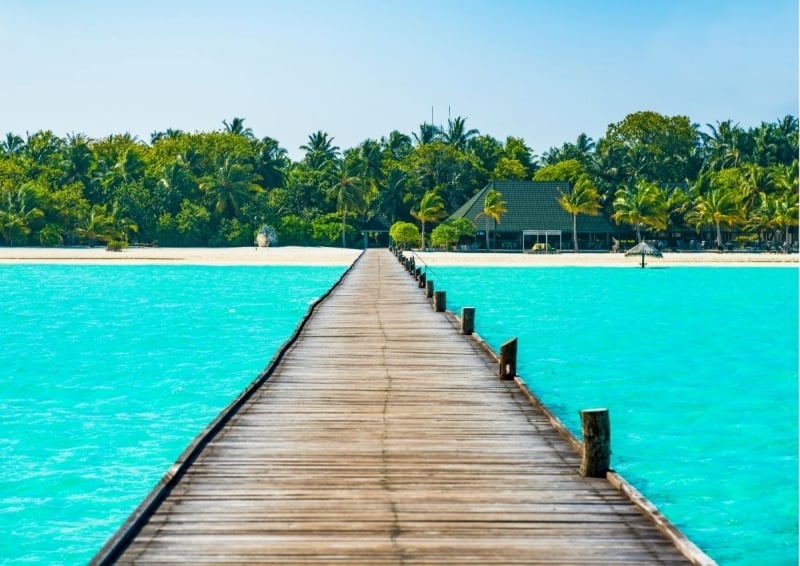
<point>108,372</point>
<point>698,368</point>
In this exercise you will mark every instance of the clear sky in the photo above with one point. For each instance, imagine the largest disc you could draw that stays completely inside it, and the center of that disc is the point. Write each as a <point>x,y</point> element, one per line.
<point>543,70</point>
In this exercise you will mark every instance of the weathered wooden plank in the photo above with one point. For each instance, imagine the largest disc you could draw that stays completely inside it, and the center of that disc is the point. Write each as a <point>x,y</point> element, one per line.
<point>384,436</point>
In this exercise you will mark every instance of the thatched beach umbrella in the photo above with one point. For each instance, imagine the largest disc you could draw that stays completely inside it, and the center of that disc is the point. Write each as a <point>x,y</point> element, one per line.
<point>643,249</point>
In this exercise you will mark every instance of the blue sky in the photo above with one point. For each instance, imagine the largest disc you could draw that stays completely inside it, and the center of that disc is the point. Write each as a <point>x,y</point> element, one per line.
<point>543,70</point>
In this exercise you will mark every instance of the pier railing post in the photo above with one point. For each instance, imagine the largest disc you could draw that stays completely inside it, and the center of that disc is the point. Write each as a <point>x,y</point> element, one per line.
<point>596,430</point>
<point>508,359</point>
<point>421,280</point>
<point>467,320</point>
<point>439,301</point>
<point>429,288</point>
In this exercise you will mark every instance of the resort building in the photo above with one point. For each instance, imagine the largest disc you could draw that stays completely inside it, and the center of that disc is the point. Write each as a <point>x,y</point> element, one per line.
<point>533,215</point>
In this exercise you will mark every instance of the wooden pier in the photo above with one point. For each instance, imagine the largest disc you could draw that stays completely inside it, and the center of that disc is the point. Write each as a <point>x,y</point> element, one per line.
<point>381,435</point>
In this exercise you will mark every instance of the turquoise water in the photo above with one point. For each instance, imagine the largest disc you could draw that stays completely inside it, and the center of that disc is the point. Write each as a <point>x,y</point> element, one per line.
<point>108,372</point>
<point>698,368</point>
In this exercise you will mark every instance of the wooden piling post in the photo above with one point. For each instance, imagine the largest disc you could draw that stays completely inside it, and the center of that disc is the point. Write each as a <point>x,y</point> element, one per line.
<point>439,301</point>
<point>422,278</point>
<point>508,359</point>
<point>596,430</point>
<point>417,273</point>
<point>467,320</point>
<point>429,288</point>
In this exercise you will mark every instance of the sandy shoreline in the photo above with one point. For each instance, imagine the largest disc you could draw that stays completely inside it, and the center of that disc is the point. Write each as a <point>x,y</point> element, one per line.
<point>295,255</point>
<point>289,255</point>
<point>607,259</point>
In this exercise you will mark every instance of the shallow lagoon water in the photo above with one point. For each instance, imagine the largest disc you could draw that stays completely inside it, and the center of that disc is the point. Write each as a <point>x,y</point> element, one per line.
<point>108,372</point>
<point>698,368</point>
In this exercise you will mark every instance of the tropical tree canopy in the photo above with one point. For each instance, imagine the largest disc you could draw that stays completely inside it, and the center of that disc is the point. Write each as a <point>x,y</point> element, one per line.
<point>431,208</point>
<point>494,207</point>
<point>583,199</point>
<point>219,187</point>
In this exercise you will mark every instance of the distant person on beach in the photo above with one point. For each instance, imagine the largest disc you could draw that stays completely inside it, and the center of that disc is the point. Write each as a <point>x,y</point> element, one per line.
<point>614,245</point>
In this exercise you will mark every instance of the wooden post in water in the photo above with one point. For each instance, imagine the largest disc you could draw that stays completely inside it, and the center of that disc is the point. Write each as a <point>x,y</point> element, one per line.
<point>467,320</point>
<point>422,278</point>
<point>596,430</point>
<point>439,301</point>
<point>417,273</point>
<point>429,288</point>
<point>508,359</point>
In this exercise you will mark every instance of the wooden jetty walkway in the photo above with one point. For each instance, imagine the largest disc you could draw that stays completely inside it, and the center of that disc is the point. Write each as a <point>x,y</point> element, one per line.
<point>384,436</point>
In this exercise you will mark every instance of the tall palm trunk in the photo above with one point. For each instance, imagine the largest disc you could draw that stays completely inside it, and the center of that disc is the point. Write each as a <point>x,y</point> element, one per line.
<point>575,231</point>
<point>344,215</point>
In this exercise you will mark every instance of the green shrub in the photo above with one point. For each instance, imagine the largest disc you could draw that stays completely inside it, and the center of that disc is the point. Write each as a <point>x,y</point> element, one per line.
<point>50,235</point>
<point>116,245</point>
<point>404,234</point>
<point>451,232</point>
<point>294,231</point>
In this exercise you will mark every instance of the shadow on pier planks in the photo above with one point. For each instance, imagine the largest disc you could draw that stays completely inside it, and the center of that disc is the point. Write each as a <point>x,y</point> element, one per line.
<point>383,436</point>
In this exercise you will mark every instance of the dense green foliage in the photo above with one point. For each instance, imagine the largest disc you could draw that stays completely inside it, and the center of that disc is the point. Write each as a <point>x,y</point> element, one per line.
<point>218,188</point>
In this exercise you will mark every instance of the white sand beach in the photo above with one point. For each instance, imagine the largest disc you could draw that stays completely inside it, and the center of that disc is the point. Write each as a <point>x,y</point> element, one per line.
<point>569,259</point>
<point>289,255</point>
<point>296,255</point>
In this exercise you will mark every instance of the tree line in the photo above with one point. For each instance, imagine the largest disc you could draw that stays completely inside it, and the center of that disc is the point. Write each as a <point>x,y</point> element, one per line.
<point>219,188</point>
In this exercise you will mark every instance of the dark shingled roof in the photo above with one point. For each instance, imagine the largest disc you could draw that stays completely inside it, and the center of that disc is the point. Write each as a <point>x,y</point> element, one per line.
<point>532,205</point>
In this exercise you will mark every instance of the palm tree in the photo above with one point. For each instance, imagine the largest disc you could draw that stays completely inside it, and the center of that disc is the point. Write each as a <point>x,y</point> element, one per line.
<point>457,135</point>
<point>640,204</point>
<point>17,214</point>
<point>169,133</point>
<point>236,127</point>
<point>12,145</point>
<point>775,142</point>
<point>724,146</point>
<point>97,225</point>
<point>391,193</point>
<point>785,178</point>
<point>397,145</point>
<point>349,187</point>
<point>231,185</point>
<point>717,207</point>
<point>77,160</point>
<point>431,209</point>
<point>272,162</point>
<point>584,199</point>
<point>122,224</point>
<point>785,214</point>
<point>428,133</point>
<point>320,151</point>
<point>371,159</point>
<point>176,184</point>
<point>493,208</point>
<point>581,150</point>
